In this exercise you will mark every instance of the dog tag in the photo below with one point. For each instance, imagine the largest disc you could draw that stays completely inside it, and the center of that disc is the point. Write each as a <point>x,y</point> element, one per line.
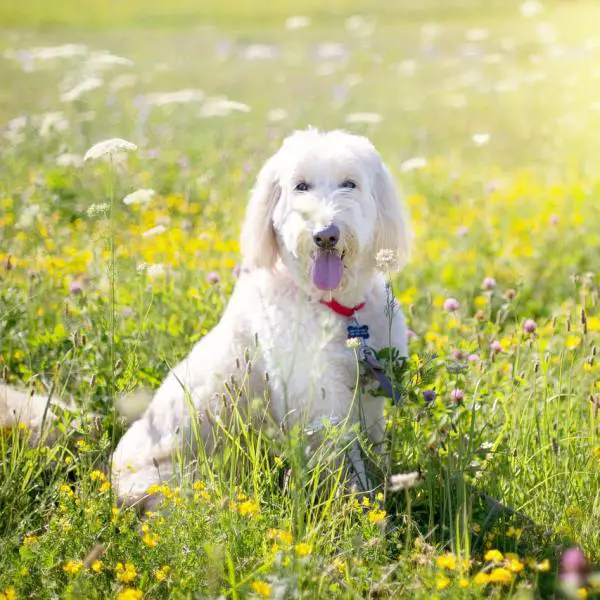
<point>358,331</point>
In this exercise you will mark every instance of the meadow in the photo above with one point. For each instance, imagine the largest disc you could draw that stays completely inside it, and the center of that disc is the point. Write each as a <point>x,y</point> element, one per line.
<point>487,114</point>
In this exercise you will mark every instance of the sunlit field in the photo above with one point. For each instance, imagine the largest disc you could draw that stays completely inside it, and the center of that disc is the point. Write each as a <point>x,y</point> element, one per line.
<point>487,114</point>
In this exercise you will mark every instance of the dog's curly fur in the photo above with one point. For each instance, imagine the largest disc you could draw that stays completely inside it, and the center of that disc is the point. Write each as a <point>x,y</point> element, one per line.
<point>301,342</point>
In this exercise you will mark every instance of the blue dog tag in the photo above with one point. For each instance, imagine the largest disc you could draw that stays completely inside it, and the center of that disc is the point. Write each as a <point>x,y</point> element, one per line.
<point>358,331</point>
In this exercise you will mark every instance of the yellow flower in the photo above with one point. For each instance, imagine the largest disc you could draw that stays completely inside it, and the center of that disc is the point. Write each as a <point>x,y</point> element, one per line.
<point>494,555</point>
<point>596,452</point>
<point>248,508</point>
<point>30,540</point>
<point>481,578</point>
<point>161,574</point>
<point>543,567</point>
<point>448,561</point>
<point>514,564</point>
<point>73,567</point>
<point>302,549</point>
<point>151,539</point>
<point>442,582</point>
<point>572,342</point>
<point>582,593</point>
<point>65,489</point>
<point>104,487</point>
<point>96,566</point>
<point>463,583</point>
<point>130,594</point>
<point>24,572</point>
<point>501,575</point>
<point>125,572</point>
<point>9,593</point>
<point>97,476</point>
<point>262,588</point>
<point>198,485</point>
<point>376,515</point>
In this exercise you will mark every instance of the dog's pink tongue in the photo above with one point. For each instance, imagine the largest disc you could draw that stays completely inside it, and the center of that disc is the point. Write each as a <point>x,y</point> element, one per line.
<point>328,270</point>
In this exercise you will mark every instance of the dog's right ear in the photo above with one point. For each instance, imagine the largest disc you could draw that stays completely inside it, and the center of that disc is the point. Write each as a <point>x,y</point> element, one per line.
<point>258,242</point>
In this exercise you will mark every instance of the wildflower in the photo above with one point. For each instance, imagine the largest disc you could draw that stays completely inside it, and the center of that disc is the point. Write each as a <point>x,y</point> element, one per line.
<point>457,396</point>
<point>494,556</point>
<point>386,260</point>
<point>481,139</point>
<point>596,452</point>
<point>97,210</point>
<point>30,540</point>
<point>65,489</point>
<point>448,561</point>
<point>481,578</point>
<point>161,574</point>
<point>529,326</point>
<point>151,539</point>
<point>489,283</point>
<point>376,515</point>
<point>501,575</point>
<point>463,582</point>
<point>213,278</point>
<point>108,148</point>
<point>404,481</point>
<point>261,588</point>
<point>125,572</point>
<point>442,582</point>
<point>364,117</point>
<point>9,593</point>
<point>496,347</point>
<point>130,594</point>
<point>451,305</point>
<point>185,96</point>
<point>302,549</point>
<point>97,476</point>
<point>249,508</point>
<point>473,358</point>
<point>141,196</point>
<point>429,395</point>
<point>97,566</point>
<point>514,564</point>
<point>85,86</point>
<point>297,22</point>
<point>154,231</point>
<point>543,567</point>
<point>582,593</point>
<point>412,164</point>
<point>104,487</point>
<point>353,343</point>
<point>72,567</point>
<point>573,565</point>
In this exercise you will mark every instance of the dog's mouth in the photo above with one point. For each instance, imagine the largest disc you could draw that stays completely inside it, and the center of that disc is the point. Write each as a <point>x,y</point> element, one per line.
<point>327,269</point>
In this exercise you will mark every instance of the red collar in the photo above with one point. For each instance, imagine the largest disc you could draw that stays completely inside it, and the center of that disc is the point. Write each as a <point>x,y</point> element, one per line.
<point>340,309</point>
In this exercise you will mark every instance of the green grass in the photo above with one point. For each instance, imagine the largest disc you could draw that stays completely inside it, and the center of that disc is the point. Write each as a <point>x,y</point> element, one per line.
<point>521,209</point>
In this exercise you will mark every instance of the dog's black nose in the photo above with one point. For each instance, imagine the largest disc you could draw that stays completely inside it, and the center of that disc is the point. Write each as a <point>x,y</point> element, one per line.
<point>327,238</point>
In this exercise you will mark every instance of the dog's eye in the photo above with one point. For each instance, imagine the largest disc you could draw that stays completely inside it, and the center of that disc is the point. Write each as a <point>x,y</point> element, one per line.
<point>348,184</point>
<point>302,187</point>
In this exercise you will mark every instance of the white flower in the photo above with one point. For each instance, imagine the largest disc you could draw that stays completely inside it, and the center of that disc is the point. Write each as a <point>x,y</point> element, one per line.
<point>122,81</point>
<point>221,107</point>
<point>259,52</point>
<point>531,8</point>
<point>481,139</point>
<point>155,270</point>
<point>364,117</point>
<point>331,51</point>
<point>297,22</point>
<point>69,160</point>
<point>180,97</point>
<point>104,59</point>
<point>51,121</point>
<point>53,52</point>
<point>404,481</point>
<point>109,147</point>
<point>154,231</point>
<point>386,260</point>
<point>353,343</point>
<point>141,196</point>
<point>417,162</point>
<point>28,216</point>
<point>97,210</point>
<point>87,85</point>
<point>276,114</point>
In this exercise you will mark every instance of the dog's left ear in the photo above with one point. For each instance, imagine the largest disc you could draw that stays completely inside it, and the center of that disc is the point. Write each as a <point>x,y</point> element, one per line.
<point>258,242</point>
<point>393,232</point>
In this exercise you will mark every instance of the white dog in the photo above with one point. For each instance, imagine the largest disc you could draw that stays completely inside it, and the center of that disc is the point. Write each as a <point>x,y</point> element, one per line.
<point>323,207</point>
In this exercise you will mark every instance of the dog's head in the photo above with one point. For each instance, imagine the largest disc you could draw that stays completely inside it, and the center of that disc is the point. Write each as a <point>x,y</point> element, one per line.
<point>325,205</point>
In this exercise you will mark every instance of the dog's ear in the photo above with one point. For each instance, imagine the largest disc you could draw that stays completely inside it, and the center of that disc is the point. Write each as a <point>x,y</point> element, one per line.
<point>258,242</point>
<point>393,231</point>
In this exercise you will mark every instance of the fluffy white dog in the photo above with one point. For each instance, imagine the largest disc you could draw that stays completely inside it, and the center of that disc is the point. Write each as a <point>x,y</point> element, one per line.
<point>322,209</point>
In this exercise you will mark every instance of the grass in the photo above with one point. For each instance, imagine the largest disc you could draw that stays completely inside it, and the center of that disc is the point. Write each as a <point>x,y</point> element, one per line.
<point>508,464</point>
